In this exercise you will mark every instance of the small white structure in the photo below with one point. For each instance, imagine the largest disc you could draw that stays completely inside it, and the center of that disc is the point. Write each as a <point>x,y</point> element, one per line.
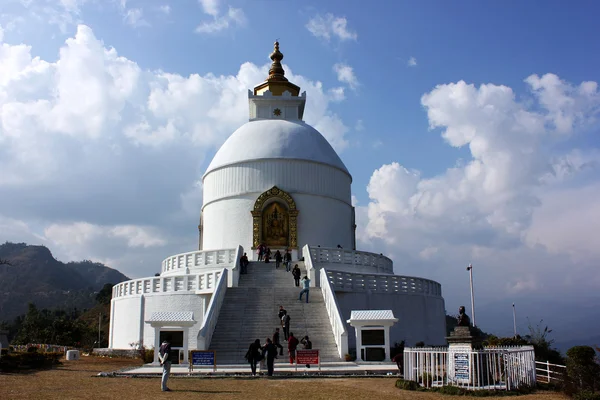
<point>172,323</point>
<point>72,355</point>
<point>372,333</point>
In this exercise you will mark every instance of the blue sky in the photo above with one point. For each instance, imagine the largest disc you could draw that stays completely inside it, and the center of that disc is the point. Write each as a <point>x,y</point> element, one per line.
<point>505,178</point>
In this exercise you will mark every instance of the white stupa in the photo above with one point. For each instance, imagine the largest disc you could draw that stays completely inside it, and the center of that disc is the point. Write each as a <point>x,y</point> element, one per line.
<point>276,181</point>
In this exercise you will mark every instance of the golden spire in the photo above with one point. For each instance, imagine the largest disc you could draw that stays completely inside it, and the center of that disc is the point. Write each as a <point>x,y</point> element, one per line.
<point>276,82</point>
<point>276,72</point>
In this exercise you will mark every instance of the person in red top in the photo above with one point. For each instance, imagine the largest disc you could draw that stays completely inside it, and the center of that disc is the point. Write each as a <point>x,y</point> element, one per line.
<point>292,345</point>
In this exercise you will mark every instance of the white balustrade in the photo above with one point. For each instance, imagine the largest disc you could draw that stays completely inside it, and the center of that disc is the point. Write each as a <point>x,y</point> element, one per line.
<point>378,263</point>
<point>506,368</point>
<point>382,283</point>
<point>199,259</point>
<point>335,317</point>
<point>206,281</point>
<point>212,313</point>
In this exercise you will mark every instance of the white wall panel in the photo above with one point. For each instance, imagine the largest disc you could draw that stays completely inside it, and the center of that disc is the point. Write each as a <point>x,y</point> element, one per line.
<point>321,221</point>
<point>420,317</point>
<point>290,175</point>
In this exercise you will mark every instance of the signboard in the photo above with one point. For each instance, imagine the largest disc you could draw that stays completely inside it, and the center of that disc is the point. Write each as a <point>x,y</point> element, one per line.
<point>203,358</point>
<point>461,366</point>
<point>308,357</point>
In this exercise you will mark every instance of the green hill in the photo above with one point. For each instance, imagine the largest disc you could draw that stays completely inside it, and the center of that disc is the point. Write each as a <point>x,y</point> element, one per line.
<point>35,276</point>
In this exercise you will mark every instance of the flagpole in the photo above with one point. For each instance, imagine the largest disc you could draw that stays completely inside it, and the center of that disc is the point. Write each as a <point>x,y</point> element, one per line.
<point>470,269</point>
<point>515,320</point>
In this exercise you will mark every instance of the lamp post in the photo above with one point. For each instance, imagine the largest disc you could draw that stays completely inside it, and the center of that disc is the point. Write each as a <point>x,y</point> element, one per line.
<point>515,320</point>
<point>470,269</point>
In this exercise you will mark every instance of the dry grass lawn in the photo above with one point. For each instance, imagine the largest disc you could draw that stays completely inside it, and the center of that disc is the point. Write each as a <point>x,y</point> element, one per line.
<point>77,380</point>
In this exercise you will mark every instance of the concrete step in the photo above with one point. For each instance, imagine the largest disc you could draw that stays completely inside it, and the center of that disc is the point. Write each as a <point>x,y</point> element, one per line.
<point>250,311</point>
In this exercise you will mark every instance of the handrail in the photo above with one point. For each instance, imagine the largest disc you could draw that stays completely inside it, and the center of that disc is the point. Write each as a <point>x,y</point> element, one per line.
<point>545,375</point>
<point>335,318</point>
<point>382,283</point>
<point>199,259</point>
<point>212,313</point>
<point>205,281</point>
<point>325,256</point>
<point>311,271</point>
<point>234,277</point>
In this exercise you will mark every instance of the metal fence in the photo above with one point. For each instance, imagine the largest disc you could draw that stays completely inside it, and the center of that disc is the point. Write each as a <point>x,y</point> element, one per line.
<point>495,368</point>
<point>547,372</point>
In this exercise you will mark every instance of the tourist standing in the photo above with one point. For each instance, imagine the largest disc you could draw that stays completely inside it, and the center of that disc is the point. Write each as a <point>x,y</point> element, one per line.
<point>164,356</point>
<point>261,251</point>
<point>305,288</point>
<point>270,353</point>
<point>296,273</point>
<point>287,260</point>
<point>278,259</point>
<point>292,345</point>
<point>285,321</point>
<point>244,264</point>
<point>253,355</point>
<point>277,342</point>
<point>306,343</point>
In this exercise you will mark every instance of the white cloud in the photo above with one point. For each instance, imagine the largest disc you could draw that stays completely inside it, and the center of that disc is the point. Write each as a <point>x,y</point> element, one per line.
<point>329,25</point>
<point>135,18</point>
<point>210,7</point>
<point>412,62</point>
<point>1,34</point>
<point>345,74</point>
<point>234,17</point>
<point>101,159</point>
<point>509,208</point>
<point>165,9</point>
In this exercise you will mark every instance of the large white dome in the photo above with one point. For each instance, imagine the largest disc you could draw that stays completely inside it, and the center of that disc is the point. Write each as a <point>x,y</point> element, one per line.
<point>276,139</point>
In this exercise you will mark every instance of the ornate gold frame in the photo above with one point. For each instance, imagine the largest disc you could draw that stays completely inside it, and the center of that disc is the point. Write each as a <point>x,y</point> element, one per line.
<point>258,209</point>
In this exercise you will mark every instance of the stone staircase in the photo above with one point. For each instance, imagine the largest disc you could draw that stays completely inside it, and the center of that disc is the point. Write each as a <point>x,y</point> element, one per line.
<point>249,312</point>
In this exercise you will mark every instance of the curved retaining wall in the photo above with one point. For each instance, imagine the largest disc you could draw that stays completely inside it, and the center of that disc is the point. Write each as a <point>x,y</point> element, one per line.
<point>416,302</point>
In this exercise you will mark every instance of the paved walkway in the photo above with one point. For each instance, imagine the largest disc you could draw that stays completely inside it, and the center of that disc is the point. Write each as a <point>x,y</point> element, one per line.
<point>347,368</point>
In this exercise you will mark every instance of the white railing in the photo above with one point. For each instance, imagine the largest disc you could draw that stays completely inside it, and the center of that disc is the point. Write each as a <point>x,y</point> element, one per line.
<point>212,313</point>
<point>205,281</point>
<point>382,283</point>
<point>234,274</point>
<point>335,316</point>
<point>311,271</point>
<point>376,263</point>
<point>183,263</point>
<point>492,368</point>
<point>550,373</point>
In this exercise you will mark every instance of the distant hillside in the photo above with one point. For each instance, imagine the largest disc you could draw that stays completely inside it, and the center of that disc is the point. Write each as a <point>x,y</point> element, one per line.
<point>36,276</point>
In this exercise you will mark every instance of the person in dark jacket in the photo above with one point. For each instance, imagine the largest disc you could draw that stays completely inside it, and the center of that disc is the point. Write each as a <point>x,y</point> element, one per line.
<point>287,260</point>
<point>278,258</point>
<point>307,343</point>
<point>296,273</point>
<point>254,355</point>
<point>286,326</point>
<point>277,342</point>
<point>270,353</point>
<point>164,356</point>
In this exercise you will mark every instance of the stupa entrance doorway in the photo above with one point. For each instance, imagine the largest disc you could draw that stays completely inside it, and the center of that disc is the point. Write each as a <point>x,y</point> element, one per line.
<point>275,220</point>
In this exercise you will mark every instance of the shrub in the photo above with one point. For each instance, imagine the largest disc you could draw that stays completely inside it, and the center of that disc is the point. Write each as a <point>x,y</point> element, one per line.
<point>406,385</point>
<point>583,372</point>
<point>147,355</point>
<point>31,360</point>
<point>586,395</point>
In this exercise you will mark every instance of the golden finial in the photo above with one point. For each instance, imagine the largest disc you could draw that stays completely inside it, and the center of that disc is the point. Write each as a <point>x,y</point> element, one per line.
<point>276,72</point>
